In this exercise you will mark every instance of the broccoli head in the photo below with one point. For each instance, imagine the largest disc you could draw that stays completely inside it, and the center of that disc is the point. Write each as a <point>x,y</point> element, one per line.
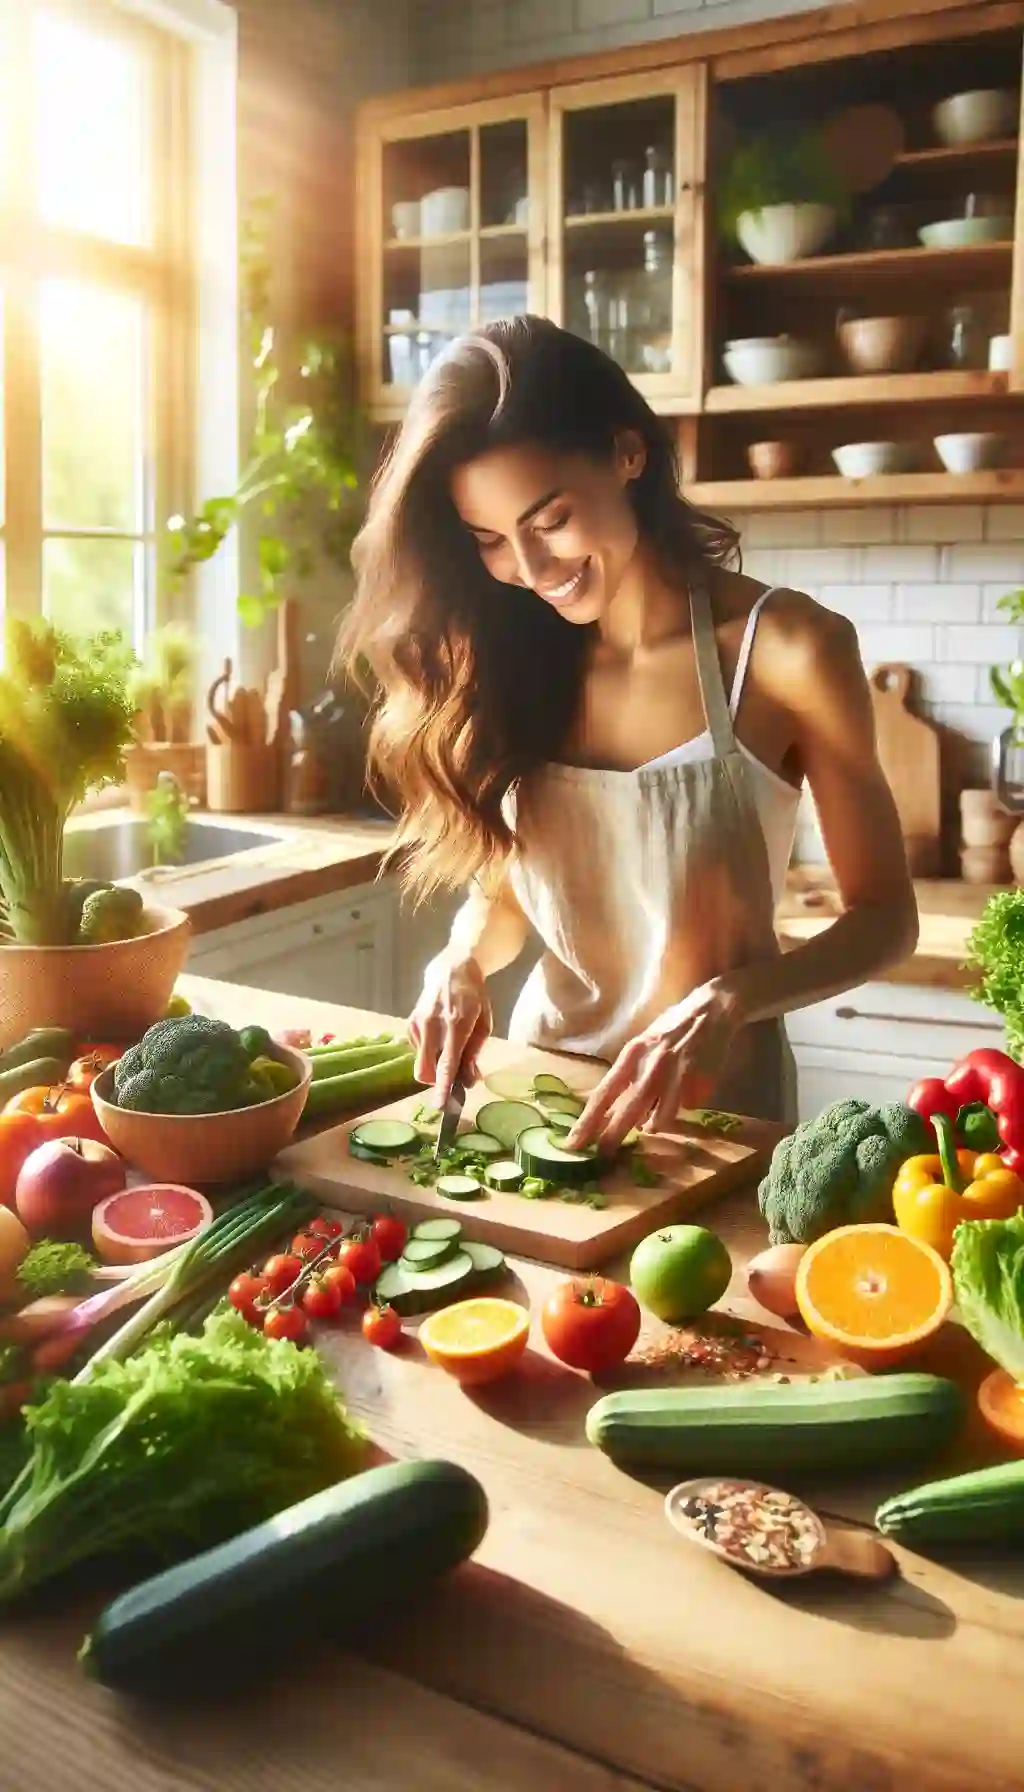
<point>186,1065</point>
<point>110,914</point>
<point>839,1169</point>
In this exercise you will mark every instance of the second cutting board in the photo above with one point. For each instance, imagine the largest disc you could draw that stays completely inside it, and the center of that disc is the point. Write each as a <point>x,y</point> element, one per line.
<point>908,748</point>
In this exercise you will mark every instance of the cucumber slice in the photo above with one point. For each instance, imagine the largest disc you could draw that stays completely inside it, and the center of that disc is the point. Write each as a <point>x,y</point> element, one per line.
<point>479,1144</point>
<point>561,1123</point>
<point>541,1154</point>
<point>460,1188</point>
<point>426,1253</point>
<point>510,1085</point>
<point>392,1138</point>
<point>365,1156</point>
<point>546,1084</point>
<point>561,1104</point>
<point>423,1290</point>
<point>507,1176</point>
<point>505,1120</point>
<point>487,1260</point>
<point>440,1228</point>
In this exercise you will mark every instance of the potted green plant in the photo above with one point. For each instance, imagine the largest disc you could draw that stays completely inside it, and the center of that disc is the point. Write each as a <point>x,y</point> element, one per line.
<point>92,958</point>
<point>1007,772</point>
<point>781,198</point>
<point>163,689</point>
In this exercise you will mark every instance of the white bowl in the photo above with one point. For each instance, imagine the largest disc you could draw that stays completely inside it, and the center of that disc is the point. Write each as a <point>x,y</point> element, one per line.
<point>863,460</point>
<point>781,233</point>
<point>965,233</point>
<point>969,453</point>
<point>975,117</point>
<point>405,217</point>
<point>446,208</point>
<point>1000,354</point>
<point>762,360</point>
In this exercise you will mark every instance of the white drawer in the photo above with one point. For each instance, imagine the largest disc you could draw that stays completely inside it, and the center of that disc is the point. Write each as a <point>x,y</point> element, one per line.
<point>898,1020</point>
<point>826,1074</point>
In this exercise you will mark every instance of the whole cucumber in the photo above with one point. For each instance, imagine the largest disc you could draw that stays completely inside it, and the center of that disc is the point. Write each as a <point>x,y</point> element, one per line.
<point>42,1042</point>
<point>984,1506</point>
<point>328,1564</point>
<point>42,1073</point>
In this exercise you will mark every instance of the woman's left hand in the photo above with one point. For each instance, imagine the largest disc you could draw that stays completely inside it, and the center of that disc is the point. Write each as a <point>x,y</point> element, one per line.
<point>675,1062</point>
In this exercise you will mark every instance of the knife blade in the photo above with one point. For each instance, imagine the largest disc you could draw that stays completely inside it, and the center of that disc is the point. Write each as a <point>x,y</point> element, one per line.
<point>450,1118</point>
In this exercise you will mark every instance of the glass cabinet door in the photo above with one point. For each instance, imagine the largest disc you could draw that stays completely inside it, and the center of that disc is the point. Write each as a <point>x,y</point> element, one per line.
<point>458,234</point>
<point>626,259</point>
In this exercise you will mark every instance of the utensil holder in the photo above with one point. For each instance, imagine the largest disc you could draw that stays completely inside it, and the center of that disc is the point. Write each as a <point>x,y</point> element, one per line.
<point>983,820</point>
<point>242,778</point>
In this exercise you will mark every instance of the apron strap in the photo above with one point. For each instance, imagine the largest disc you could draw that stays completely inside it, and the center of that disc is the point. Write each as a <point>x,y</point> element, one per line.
<point>709,670</point>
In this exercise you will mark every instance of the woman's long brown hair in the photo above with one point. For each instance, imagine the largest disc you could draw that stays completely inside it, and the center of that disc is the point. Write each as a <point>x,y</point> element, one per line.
<point>479,682</point>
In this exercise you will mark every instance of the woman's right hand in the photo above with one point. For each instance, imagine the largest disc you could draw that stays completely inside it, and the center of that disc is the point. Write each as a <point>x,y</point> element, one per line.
<point>450,1024</point>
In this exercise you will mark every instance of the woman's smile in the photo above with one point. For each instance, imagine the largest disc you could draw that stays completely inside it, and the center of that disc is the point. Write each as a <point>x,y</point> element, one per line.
<point>569,591</point>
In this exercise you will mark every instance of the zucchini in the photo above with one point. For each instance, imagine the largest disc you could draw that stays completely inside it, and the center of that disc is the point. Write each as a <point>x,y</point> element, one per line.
<point>768,1429</point>
<point>328,1564</point>
<point>540,1153</point>
<point>510,1085</point>
<point>420,1291</point>
<point>546,1084</point>
<point>505,1176</point>
<point>479,1144</point>
<point>505,1120</point>
<point>42,1042</point>
<point>486,1259</point>
<point>36,1073</point>
<point>435,1229</point>
<point>460,1188</point>
<point>391,1138</point>
<point>986,1506</point>
<point>426,1253</point>
<point>561,1104</point>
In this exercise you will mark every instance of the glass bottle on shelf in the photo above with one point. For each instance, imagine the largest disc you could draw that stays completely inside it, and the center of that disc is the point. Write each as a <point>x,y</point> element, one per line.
<point>968,339</point>
<point>651,334</point>
<point>658,183</point>
<point>625,186</point>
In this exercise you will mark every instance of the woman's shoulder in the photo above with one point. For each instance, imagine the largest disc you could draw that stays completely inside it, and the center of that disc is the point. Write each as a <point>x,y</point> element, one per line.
<point>799,641</point>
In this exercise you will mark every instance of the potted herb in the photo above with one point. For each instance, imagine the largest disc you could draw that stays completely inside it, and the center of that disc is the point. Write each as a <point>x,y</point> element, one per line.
<point>781,198</point>
<point>162,689</point>
<point>87,957</point>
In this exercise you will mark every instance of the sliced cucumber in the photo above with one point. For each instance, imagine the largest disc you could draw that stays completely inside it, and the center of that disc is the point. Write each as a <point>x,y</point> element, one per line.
<point>421,1290</point>
<point>510,1085</point>
<point>436,1229</point>
<point>367,1157</point>
<point>561,1123</point>
<point>487,1260</point>
<point>505,1120</point>
<point>561,1104</point>
<point>460,1188</point>
<point>426,1253</point>
<point>546,1084</point>
<point>479,1144</point>
<point>541,1154</point>
<point>507,1176</point>
<point>392,1138</point>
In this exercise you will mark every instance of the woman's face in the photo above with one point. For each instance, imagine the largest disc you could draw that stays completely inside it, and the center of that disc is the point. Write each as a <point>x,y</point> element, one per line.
<point>561,525</point>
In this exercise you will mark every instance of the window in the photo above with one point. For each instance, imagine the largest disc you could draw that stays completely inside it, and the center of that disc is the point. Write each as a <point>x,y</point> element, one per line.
<point>96,298</point>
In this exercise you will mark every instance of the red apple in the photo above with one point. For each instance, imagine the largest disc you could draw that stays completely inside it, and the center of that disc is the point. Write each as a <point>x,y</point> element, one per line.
<point>61,1182</point>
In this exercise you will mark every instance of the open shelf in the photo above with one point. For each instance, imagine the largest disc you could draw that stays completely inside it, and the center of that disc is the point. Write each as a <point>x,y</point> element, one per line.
<point>489,232</point>
<point>1000,485</point>
<point>856,389</point>
<point>983,260</point>
<point>441,237</point>
<point>960,155</point>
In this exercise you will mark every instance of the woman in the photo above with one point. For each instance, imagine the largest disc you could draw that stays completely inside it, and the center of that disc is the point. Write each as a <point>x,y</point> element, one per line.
<point>603,731</point>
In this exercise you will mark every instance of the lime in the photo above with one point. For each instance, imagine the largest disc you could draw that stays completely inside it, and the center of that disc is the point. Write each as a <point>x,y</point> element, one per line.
<point>679,1272</point>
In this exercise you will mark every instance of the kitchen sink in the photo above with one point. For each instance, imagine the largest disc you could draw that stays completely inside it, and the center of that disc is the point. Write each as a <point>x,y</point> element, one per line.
<point>123,848</point>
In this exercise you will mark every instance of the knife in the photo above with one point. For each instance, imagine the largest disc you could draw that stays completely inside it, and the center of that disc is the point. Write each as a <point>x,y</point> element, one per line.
<point>450,1119</point>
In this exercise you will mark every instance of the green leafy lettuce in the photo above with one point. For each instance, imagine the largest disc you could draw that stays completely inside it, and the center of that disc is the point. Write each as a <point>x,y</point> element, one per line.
<point>185,1444</point>
<point>988,1276</point>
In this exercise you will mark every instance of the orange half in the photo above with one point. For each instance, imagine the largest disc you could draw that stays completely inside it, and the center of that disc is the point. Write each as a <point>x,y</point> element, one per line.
<point>1001,1404</point>
<point>476,1340</point>
<point>874,1292</point>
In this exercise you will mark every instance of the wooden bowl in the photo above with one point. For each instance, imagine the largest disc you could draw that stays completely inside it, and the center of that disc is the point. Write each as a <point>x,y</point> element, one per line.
<point>773,460</point>
<point>882,344</point>
<point>113,991</point>
<point>205,1148</point>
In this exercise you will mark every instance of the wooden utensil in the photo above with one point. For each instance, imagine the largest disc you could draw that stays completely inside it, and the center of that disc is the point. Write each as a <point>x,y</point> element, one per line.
<point>908,748</point>
<point>846,1551</point>
<point>238,712</point>
<point>222,725</point>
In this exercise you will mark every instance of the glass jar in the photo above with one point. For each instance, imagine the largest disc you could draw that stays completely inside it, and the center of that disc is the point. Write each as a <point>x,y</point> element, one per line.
<point>651,319</point>
<point>625,186</point>
<point>968,337</point>
<point>658,185</point>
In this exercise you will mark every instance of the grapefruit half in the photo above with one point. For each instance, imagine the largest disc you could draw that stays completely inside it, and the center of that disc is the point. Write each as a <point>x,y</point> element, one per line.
<point>139,1223</point>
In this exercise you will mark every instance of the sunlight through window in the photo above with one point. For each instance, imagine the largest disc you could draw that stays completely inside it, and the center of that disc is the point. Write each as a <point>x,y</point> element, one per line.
<point>92,131</point>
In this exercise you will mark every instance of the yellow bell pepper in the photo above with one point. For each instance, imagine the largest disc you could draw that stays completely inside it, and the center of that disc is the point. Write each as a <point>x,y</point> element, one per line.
<point>932,1194</point>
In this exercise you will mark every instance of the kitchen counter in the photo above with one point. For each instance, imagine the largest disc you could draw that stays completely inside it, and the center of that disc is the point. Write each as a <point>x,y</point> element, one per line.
<point>587,1648</point>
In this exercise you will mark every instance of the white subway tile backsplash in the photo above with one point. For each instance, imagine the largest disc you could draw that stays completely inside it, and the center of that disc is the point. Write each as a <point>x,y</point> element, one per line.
<point>590,14</point>
<point>855,526</point>
<point>937,522</point>
<point>987,561</point>
<point>949,684</point>
<point>1004,522</point>
<point>991,597</point>
<point>900,564</point>
<point>985,645</point>
<point>809,568</point>
<point>879,643</point>
<point>779,528</point>
<point>861,603</point>
<point>983,692</point>
<point>530,19</point>
<point>975,721</point>
<point>938,603</point>
<point>768,564</point>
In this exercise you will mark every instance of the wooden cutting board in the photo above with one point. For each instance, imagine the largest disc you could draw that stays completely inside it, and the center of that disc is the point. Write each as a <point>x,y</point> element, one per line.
<point>908,748</point>
<point>696,1166</point>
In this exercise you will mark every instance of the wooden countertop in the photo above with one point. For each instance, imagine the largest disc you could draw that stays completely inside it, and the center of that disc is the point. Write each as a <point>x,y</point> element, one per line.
<point>587,1648</point>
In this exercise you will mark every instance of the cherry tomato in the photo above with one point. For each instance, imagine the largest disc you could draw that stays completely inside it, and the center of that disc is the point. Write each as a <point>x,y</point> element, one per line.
<point>338,1277</point>
<point>591,1323</point>
<point>59,1113</point>
<point>324,1228</point>
<point>286,1322</point>
<point>362,1256</point>
<point>382,1326</point>
<point>86,1069</point>
<point>281,1271</point>
<point>390,1236</point>
<point>305,1245</point>
<point>322,1299</point>
<point>244,1293</point>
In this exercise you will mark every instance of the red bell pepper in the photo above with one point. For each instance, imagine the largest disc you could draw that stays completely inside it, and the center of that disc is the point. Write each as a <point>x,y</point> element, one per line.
<point>984,1078</point>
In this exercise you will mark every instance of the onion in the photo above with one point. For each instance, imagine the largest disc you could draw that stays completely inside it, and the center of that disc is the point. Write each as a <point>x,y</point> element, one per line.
<point>38,1319</point>
<point>771,1278</point>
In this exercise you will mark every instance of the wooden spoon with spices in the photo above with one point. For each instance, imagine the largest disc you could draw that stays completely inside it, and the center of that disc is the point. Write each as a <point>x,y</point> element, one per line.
<point>764,1531</point>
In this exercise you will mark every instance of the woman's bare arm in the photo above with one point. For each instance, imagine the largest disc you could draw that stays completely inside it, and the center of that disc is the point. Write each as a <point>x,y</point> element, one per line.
<point>490,928</point>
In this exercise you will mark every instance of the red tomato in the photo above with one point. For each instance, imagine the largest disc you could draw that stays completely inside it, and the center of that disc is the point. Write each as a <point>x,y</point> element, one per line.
<point>389,1236</point>
<point>19,1136</point>
<point>245,1292</point>
<point>286,1322</point>
<point>337,1276</point>
<point>322,1299</point>
<point>59,1113</point>
<point>324,1228</point>
<point>281,1271</point>
<point>305,1245</point>
<point>362,1256</point>
<point>382,1326</point>
<point>591,1323</point>
<point>86,1069</point>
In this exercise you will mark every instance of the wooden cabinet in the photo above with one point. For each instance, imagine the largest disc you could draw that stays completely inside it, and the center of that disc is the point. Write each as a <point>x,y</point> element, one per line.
<point>334,949</point>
